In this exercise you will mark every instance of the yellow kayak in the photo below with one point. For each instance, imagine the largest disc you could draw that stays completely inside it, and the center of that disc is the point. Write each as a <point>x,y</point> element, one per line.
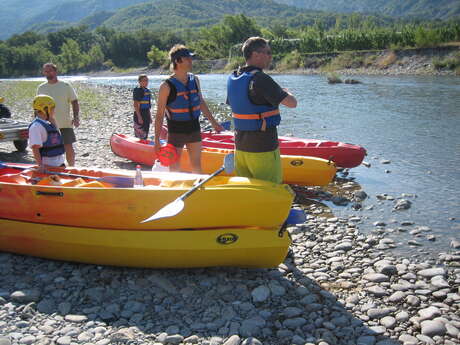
<point>229,221</point>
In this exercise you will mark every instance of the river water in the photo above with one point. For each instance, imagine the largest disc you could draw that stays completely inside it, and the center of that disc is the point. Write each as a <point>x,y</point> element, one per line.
<point>411,121</point>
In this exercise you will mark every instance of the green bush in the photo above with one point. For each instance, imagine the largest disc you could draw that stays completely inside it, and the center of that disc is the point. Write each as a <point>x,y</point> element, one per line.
<point>157,57</point>
<point>292,60</point>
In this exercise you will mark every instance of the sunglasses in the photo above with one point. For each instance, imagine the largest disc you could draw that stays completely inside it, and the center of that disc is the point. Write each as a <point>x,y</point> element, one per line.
<point>266,52</point>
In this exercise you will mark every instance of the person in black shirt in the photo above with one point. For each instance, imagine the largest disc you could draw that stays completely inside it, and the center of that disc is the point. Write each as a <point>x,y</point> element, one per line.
<point>5,113</point>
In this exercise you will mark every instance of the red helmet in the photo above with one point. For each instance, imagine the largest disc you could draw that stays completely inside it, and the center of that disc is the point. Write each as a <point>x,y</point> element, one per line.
<point>167,155</point>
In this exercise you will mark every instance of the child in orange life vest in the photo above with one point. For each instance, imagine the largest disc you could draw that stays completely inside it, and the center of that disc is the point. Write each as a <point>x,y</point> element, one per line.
<point>44,137</point>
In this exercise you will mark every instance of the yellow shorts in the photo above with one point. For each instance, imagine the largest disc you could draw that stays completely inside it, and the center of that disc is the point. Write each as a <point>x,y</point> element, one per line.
<point>261,165</point>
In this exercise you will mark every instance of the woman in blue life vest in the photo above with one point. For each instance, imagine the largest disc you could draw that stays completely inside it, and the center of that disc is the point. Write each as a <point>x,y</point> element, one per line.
<point>180,99</point>
<point>44,137</point>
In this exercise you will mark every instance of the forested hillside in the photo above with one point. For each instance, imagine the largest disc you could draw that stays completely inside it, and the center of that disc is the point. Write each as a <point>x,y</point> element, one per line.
<point>127,15</point>
<point>427,9</point>
<point>19,16</point>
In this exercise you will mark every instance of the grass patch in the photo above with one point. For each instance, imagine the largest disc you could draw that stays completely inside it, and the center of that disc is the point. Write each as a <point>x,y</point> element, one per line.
<point>293,60</point>
<point>387,60</point>
<point>346,60</point>
<point>20,94</point>
<point>450,62</point>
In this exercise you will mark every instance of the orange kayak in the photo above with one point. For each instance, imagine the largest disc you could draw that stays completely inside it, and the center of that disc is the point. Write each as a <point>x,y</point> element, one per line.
<point>308,171</point>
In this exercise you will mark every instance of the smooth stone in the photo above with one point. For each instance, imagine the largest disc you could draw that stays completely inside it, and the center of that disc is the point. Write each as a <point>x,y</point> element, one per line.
<point>365,340</point>
<point>397,297</point>
<point>439,282</point>
<point>429,313</point>
<point>378,313</point>
<point>388,322</point>
<point>431,272</point>
<point>377,291</point>
<point>408,339</point>
<point>402,316</point>
<point>260,294</point>
<point>432,328</point>
<point>376,277</point>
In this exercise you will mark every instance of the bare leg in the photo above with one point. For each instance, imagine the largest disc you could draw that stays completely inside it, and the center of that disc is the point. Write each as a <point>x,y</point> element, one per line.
<point>176,166</point>
<point>194,152</point>
<point>69,154</point>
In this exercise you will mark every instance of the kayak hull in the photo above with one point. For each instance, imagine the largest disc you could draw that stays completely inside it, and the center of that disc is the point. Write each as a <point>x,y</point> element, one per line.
<point>239,247</point>
<point>344,155</point>
<point>221,202</point>
<point>308,171</point>
<point>230,221</point>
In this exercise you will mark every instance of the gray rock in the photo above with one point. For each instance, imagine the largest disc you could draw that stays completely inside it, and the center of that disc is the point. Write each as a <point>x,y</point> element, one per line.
<point>294,322</point>
<point>388,322</point>
<point>429,313</point>
<point>439,282</point>
<point>365,340</point>
<point>432,328</point>
<point>346,246</point>
<point>408,339</point>
<point>251,341</point>
<point>291,312</point>
<point>431,272</point>
<point>25,296</point>
<point>233,340</point>
<point>402,204</point>
<point>378,313</point>
<point>397,297</point>
<point>376,277</point>
<point>260,294</point>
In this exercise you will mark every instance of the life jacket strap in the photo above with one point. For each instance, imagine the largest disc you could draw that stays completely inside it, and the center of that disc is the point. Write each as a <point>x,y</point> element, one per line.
<point>183,110</point>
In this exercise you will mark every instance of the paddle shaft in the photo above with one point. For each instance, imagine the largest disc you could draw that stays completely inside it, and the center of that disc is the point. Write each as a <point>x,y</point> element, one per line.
<point>188,193</point>
<point>120,181</point>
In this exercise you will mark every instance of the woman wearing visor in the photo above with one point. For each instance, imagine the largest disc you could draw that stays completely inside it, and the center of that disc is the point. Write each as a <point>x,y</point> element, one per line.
<point>180,99</point>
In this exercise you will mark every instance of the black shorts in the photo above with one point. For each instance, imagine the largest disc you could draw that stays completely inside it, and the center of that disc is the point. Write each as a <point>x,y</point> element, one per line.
<point>180,139</point>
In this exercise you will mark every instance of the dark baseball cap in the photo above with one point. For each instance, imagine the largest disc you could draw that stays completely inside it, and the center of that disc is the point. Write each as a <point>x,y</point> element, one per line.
<point>182,53</point>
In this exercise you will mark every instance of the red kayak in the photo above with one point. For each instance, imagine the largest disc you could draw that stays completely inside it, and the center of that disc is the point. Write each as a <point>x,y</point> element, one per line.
<point>342,154</point>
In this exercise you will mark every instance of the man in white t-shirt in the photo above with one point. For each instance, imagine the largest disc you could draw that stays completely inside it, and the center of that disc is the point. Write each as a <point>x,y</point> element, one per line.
<point>64,95</point>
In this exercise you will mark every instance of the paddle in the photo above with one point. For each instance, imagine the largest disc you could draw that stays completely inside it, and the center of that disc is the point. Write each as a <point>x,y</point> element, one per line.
<point>226,124</point>
<point>175,207</point>
<point>117,181</point>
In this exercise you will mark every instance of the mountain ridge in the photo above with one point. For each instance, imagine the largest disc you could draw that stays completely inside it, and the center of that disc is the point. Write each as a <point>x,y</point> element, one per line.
<point>128,15</point>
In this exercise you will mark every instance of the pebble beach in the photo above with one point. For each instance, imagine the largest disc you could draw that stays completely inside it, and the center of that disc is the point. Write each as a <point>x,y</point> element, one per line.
<point>338,284</point>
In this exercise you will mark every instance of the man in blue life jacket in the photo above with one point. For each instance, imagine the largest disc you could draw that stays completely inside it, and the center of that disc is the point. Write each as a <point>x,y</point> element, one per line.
<point>255,98</point>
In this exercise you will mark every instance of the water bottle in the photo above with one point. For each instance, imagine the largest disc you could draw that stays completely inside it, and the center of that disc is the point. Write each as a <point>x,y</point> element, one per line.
<point>138,180</point>
<point>157,166</point>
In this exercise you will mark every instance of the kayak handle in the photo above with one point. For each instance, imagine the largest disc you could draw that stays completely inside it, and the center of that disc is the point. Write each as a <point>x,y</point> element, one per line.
<point>50,193</point>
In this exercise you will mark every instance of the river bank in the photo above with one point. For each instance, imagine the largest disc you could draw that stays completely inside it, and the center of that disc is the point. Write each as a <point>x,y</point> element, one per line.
<point>422,61</point>
<point>337,285</point>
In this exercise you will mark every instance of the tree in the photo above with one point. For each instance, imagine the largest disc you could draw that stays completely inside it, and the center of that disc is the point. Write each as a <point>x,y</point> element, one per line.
<point>71,59</point>
<point>157,57</point>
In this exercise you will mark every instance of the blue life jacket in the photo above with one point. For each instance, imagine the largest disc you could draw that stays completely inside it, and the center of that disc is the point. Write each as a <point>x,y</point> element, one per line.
<point>145,102</point>
<point>186,105</point>
<point>53,146</point>
<point>248,116</point>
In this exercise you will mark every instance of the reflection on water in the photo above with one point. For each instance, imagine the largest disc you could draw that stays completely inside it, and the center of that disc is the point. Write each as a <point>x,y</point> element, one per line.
<point>411,121</point>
